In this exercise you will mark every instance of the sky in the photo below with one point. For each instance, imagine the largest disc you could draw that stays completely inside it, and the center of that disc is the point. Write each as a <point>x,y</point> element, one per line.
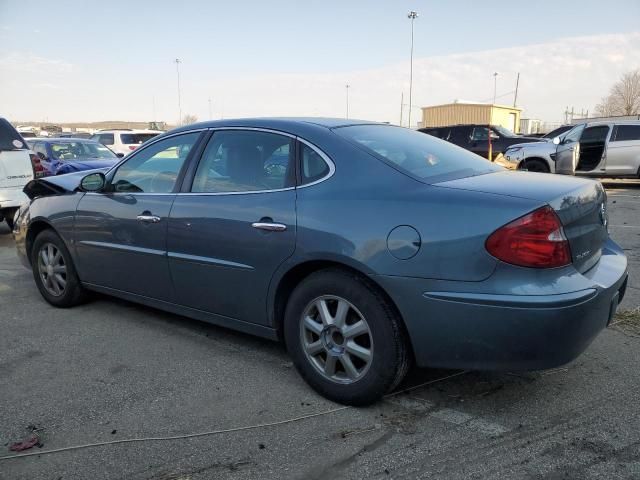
<point>67,61</point>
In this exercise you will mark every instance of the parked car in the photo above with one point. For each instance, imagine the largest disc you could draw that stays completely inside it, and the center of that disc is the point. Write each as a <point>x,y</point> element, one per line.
<point>75,135</point>
<point>597,149</point>
<point>535,156</point>
<point>556,132</point>
<point>124,141</point>
<point>475,138</point>
<point>16,169</point>
<point>374,247</point>
<point>64,155</point>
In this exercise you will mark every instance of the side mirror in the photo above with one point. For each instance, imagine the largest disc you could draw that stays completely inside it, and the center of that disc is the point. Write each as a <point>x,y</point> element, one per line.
<point>120,155</point>
<point>556,140</point>
<point>94,182</point>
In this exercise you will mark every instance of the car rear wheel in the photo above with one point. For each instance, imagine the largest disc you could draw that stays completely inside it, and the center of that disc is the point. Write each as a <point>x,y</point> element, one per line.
<point>345,338</point>
<point>54,272</point>
<point>535,166</point>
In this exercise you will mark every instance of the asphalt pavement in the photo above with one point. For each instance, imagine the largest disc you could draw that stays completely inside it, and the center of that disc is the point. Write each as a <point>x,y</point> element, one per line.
<point>111,370</point>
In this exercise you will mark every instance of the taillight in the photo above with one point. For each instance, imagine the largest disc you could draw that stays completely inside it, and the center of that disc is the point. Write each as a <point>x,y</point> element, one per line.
<point>132,147</point>
<point>536,240</point>
<point>35,162</point>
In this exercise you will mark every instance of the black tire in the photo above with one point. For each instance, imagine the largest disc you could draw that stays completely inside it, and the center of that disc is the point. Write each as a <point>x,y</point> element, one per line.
<point>390,358</point>
<point>535,165</point>
<point>73,293</point>
<point>8,217</point>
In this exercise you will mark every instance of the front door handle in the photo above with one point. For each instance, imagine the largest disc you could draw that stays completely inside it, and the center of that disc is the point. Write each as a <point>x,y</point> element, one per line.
<point>269,226</point>
<point>148,218</point>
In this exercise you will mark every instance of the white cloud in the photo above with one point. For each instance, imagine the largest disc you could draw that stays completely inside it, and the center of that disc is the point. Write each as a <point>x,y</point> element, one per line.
<point>553,75</point>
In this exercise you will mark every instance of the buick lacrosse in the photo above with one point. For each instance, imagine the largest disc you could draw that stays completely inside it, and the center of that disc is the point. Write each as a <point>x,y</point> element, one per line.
<point>365,247</point>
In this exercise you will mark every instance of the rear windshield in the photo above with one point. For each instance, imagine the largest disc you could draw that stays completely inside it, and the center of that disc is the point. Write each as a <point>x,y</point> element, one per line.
<point>136,138</point>
<point>10,139</point>
<point>80,150</point>
<point>422,156</point>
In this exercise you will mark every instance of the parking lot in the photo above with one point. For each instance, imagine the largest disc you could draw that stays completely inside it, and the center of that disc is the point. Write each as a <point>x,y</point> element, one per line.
<point>111,370</point>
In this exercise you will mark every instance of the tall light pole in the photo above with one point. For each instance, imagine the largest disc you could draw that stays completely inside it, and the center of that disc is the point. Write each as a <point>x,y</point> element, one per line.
<point>495,84</point>
<point>178,62</point>
<point>412,16</point>
<point>347,89</point>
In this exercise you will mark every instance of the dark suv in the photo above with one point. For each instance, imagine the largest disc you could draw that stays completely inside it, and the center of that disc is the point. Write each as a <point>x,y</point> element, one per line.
<point>476,138</point>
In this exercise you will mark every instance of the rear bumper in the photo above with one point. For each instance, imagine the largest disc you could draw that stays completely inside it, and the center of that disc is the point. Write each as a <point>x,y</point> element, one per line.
<point>481,331</point>
<point>12,197</point>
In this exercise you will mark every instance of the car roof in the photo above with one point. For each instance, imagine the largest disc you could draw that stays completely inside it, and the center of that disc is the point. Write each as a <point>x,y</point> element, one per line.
<point>614,122</point>
<point>291,124</point>
<point>128,130</point>
<point>62,139</point>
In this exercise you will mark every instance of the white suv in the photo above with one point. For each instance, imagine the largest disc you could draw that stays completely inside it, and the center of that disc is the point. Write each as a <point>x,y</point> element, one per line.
<point>17,165</point>
<point>124,141</point>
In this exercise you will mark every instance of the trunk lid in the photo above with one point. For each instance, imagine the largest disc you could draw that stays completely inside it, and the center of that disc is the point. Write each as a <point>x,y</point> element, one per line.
<point>580,204</point>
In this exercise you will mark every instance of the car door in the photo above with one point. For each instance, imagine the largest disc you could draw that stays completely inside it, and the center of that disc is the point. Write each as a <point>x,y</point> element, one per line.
<point>121,232</point>
<point>234,224</point>
<point>568,151</point>
<point>623,151</point>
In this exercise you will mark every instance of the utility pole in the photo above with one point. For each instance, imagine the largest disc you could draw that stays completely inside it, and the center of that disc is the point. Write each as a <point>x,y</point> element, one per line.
<point>412,16</point>
<point>347,89</point>
<point>178,62</point>
<point>210,116</point>
<point>515,96</point>
<point>495,85</point>
<point>401,106</point>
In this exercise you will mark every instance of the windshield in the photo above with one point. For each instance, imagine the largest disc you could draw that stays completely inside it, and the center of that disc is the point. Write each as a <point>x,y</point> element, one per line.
<point>422,156</point>
<point>136,138</point>
<point>505,132</point>
<point>80,150</point>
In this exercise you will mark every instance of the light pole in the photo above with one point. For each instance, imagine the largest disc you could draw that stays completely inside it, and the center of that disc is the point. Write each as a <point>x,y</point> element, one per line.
<point>347,89</point>
<point>412,16</point>
<point>178,62</point>
<point>495,84</point>
<point>210,116</point>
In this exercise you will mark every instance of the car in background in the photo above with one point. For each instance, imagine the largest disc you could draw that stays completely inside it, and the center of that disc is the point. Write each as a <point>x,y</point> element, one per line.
<point>475,138</point>
<point>124,141</point>
<point>64,155</point>
<point>535,156</point>
<point>86,135</point>
<point>367,247</point>
<point>17,165</point>
<point>596,149</point>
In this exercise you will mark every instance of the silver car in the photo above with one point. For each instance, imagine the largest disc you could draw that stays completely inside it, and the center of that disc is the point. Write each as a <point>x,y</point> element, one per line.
<point>596,149</point>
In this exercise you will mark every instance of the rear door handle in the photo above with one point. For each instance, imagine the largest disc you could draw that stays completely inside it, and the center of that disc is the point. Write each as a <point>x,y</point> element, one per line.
<point>269,226</point>
<point>148,218</point>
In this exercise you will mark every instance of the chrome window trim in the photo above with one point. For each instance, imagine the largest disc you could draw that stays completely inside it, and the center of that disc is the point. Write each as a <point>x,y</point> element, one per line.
<point>323,155</point>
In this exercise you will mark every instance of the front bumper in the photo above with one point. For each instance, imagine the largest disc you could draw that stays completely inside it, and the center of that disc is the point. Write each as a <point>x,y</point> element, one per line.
<point>510,332</point>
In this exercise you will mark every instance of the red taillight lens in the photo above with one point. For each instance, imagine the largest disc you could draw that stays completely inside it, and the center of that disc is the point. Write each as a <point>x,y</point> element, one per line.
<point>536,240</point>
<point>132,147</point>
<point>35,162</point>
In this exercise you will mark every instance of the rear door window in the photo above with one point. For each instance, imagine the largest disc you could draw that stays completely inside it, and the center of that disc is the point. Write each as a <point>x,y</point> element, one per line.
<point>10,139</point>
<point>626,133</point>
<point>421,156</point>
<point>245,161</point>
<point>105,138</point>
<point>136,138</point>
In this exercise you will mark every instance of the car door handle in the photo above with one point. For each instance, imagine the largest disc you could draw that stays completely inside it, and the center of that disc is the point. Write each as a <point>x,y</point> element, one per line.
<point>148,218</point>
<point>269,227</point>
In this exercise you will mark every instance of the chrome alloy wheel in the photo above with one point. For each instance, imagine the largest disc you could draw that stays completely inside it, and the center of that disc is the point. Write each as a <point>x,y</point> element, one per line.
<point>52,269</point>
<point>336,339</point>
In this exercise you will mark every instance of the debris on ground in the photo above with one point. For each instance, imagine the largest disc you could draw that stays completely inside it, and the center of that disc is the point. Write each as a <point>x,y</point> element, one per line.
<point>628,322</point>
<point>32,441</point>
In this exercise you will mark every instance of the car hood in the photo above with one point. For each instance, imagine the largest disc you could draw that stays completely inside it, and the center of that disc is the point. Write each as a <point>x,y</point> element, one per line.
<point>59,184</point>
<point>540,144</point>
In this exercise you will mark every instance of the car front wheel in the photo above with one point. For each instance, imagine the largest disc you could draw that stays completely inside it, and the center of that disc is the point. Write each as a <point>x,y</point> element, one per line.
<point>345,338</point>
<point>54,272</point>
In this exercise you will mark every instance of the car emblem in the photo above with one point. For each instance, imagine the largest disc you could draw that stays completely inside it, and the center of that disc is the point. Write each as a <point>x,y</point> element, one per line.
<point>603,215</point>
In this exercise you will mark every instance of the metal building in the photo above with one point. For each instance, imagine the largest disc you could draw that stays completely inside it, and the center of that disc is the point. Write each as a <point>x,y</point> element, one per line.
<point>464,113</point>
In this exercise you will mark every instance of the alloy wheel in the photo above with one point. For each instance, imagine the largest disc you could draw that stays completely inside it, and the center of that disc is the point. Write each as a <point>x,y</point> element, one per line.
<point>52,269</point>
<point>336,339</point>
